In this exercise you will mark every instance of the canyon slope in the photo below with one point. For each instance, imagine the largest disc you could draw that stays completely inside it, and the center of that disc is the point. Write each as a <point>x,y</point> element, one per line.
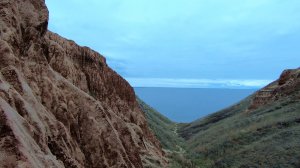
<point>60,104</point>
<point>262,130</point>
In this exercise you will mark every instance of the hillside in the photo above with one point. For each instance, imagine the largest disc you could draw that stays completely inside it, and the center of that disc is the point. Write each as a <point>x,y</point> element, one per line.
<point>164,129</point>
<point>261,131</point>
<point>60,103</point>
<point>166,132</point>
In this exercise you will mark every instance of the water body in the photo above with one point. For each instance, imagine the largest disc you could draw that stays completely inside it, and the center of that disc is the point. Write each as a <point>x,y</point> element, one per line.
<point>189,104</point>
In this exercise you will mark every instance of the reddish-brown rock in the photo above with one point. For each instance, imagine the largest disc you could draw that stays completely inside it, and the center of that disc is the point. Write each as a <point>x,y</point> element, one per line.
<point>288,82</point>
<point>60,104</point>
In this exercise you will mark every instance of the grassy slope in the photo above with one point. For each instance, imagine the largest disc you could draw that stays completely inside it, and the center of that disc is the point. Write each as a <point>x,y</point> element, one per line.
<point>162,127</point>
<point>266,137</point>
<point>166,132</point>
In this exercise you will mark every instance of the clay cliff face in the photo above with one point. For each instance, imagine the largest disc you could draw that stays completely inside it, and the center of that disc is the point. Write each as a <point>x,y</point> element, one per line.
<point>287,84</point>
<point>60,104</point>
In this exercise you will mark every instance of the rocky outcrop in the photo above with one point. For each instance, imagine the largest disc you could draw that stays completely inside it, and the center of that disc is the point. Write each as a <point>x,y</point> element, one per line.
<point>288,83</point>
<point>60,104</point>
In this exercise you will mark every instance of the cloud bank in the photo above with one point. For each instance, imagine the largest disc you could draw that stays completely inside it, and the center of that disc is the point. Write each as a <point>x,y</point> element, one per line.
<point>194,39</point>
<point>197,83</point>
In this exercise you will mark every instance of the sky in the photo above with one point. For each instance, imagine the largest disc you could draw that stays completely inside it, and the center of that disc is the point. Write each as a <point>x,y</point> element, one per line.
<point>186,43</point>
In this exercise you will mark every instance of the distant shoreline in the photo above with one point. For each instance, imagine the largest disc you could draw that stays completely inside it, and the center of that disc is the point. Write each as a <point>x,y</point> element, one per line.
<point>232,88</point>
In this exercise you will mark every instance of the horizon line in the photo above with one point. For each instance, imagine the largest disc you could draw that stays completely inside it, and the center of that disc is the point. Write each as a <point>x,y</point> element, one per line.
<point>171,87</point>
<point>198,83</point>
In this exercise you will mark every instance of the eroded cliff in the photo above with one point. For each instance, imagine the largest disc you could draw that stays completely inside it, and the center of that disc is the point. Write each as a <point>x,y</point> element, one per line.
<point>60,104</point>
<point>288,84</point>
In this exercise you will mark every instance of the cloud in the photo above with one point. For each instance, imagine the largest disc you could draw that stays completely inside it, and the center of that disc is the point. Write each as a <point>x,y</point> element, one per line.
<point>196,83</point>
<point>211,39</point>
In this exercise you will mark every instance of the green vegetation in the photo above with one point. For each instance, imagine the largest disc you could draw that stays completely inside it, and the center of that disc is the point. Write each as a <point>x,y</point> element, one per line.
<point>166,132</point>
<point>163,128</point>
<point>234,137</point>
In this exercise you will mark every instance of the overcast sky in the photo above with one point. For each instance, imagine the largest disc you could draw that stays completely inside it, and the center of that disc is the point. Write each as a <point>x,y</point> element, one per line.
<point>186,43</point>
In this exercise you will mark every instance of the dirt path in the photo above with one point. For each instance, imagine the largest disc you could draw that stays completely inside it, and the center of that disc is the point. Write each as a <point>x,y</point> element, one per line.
<point>176,129</point>
<point>180,149</point>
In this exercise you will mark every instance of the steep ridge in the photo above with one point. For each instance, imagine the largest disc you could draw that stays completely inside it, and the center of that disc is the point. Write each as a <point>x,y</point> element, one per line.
<point>263,130</point>
<point>60,104</point>
<point>287,85</point>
